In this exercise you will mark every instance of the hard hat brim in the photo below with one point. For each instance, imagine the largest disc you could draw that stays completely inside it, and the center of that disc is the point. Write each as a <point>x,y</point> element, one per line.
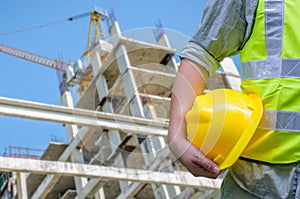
<point>246,136</point>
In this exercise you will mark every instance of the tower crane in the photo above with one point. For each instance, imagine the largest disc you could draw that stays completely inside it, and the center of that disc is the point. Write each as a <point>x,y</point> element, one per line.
<point>76,73</point>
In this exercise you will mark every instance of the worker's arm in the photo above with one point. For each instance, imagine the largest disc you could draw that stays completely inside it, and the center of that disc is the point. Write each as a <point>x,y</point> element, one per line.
<point>190,82</point>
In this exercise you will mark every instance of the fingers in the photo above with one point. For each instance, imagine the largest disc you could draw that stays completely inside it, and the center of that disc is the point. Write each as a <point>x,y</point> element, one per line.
<point>196,162</point>
<point>205,167</point>
<point>208,164</point>
<point>202,172</point>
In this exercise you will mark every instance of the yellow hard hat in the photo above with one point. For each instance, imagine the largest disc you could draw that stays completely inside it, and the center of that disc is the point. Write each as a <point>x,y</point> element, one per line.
<point>222,122</point>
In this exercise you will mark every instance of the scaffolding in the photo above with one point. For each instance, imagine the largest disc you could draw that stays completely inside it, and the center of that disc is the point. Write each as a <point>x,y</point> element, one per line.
<point>23,152</point>
<point>116,132</point>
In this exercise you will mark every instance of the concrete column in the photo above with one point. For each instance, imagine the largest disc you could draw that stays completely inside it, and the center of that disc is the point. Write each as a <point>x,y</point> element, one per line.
<point>113,135</point>
<point>96,61</point>
<point>100,194</point>
<point>164,41</point>
<point>149,145</point>
<point>72,131</point>
<point>157,144</point>
<point>22,187</point>
<point>137,109</point>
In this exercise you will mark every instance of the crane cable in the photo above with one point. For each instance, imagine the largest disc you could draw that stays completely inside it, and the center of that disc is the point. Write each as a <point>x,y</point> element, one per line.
<point>45,25</point>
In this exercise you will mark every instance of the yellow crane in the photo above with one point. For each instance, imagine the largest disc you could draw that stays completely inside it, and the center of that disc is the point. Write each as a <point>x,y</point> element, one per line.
<point>71,73</point>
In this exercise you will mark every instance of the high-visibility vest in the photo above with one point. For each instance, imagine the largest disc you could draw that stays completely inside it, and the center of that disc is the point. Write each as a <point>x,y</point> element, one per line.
<point>270,67</point>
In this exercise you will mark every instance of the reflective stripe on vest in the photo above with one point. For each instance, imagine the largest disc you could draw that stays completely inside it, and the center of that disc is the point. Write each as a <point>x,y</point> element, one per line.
<point>270,67</point>
<point>280,120</point>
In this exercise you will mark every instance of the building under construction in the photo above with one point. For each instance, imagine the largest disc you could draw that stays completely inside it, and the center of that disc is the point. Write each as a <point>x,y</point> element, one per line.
<point>116,130</point>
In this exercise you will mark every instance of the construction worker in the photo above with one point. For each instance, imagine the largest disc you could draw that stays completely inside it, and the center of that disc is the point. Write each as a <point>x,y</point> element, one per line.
<point>265,33</point>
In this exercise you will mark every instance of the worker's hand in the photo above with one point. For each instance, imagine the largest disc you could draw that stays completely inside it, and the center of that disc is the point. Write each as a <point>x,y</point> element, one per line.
<point>195,161</point>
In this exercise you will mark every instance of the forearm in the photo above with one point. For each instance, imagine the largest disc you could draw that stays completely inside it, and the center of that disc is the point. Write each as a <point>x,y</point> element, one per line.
<point>190,82</point>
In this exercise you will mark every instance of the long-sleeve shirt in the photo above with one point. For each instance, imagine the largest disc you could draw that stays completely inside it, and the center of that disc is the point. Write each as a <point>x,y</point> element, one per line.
<point>225,28</point>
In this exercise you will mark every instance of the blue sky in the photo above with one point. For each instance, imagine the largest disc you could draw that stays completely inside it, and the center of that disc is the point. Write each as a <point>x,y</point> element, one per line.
<point>21,79</point>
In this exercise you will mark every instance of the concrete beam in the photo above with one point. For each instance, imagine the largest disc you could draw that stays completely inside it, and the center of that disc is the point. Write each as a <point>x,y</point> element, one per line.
<point>112,173</point>
<point>40,111</point>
